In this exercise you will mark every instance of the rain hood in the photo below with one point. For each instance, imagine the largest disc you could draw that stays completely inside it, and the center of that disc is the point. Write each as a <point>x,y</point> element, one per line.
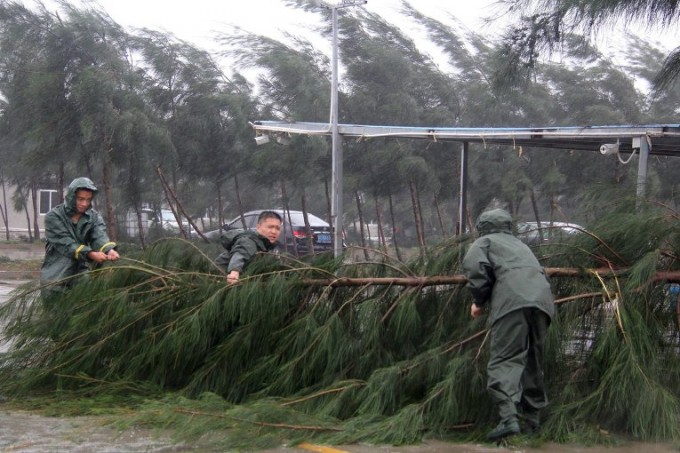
<point>494,221</point>
<point>77,184</point>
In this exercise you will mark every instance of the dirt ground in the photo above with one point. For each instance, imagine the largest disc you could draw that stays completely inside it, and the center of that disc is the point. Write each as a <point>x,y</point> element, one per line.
<point>27,432</point>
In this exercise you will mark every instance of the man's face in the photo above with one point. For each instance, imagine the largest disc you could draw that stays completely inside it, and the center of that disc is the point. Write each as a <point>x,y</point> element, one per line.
<point>83,200</point>
<point>269,228</point>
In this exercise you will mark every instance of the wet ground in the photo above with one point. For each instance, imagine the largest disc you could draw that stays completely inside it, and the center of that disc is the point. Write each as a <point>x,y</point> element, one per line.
<point>29,433</point>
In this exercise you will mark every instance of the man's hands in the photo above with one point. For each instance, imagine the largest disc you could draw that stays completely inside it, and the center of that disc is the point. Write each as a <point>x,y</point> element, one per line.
<point>476,311</point>
<point>232,277</point>
<point>100,257</point>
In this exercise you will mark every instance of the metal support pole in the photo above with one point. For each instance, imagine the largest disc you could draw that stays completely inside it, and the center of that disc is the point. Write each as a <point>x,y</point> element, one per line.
<point>642,170</point>
<point>462,205</point>
<point>336,146</point>
<point>336,140</point>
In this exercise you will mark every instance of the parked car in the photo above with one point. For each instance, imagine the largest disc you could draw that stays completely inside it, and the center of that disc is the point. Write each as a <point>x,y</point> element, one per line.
<point>530,233</point>
<point>294,234</point>
<point>168,222</point>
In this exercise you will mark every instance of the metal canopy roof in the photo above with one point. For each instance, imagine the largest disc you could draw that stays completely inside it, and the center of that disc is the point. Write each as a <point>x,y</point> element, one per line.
<point>664,139</point>
<point>654,139</point>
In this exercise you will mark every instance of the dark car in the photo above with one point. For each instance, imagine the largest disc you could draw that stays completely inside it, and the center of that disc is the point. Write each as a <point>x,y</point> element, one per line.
<point>294,234</point>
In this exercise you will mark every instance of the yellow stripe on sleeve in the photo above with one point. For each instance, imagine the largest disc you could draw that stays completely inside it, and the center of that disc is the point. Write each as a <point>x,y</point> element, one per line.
<point>112,244</point>
<point>80,247</point>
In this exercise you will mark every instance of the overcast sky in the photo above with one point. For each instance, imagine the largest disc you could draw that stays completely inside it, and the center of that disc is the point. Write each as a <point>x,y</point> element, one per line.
<point>198,21</point>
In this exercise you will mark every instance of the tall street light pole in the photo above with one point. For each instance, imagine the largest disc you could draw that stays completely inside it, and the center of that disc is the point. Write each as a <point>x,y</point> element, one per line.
<point>336,140</point>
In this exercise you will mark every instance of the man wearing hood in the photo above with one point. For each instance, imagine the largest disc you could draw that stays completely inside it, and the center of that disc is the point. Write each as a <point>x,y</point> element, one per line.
<point>76,235</point>
<point>504,275</point>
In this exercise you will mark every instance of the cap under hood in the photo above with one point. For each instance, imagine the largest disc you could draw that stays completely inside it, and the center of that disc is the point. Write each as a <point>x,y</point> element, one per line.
<point>77,184</point>
<point>494,221</point>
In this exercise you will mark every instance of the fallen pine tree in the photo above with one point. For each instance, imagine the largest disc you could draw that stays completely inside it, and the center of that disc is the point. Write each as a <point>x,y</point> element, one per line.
<point>346,352</point>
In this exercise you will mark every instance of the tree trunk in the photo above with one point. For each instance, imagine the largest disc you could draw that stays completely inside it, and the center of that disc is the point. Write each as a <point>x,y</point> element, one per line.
<point>308,229</point>
<point>111,219</point>
<point>174,203</point>
<point>289,223</point>
<point>60,183</point>
<point>534,206</point>
<point>36,210</point>
<point>416,217</point>
<point>238,201</point>
<point>361,225</point>
<point>28,220</point>
<point>553,205</point>
<point>677,311</point>
<point>220,217</point>
<point>394,229</point>
<point>433,280</point>
<point>3,206</point>
<point>420,216</point>
<point>180,209</point>
<point>439,216</point>
<point>140,227</point>
<point>378,216</point>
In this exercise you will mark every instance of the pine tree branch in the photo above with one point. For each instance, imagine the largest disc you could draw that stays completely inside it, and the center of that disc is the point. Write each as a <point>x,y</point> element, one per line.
<point>324,392</point>
<point>670,276</point>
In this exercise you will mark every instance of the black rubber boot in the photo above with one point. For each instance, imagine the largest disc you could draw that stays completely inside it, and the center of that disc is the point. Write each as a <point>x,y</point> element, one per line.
<point>531,422</point>
<point>530,428</point>
<point>505,428</point>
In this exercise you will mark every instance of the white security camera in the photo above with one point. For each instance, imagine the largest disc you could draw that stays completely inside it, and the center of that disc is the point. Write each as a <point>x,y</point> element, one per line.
<point>609,148</point>
<point>262,139</point>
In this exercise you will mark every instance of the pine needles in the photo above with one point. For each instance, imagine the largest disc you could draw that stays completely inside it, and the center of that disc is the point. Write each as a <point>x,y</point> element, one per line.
<point>383,364</point>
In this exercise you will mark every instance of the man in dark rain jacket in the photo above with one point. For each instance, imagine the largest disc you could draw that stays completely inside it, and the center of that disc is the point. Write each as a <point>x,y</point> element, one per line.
<point>504,275</point>
<point>76,235</point>
<point>246,244</point>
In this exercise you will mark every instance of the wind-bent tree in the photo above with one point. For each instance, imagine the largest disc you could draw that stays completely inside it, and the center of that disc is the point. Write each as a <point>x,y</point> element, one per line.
<point>644,61</point>
<point>546,24</point>
<point>294,83</point>
<point>99,84</point>
<point>207,115</point>
<point>38,118</point>
<point>391,83</point>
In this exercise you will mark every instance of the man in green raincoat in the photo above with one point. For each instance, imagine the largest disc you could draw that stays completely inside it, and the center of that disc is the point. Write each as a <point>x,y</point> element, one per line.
<point>243,245</point>
<point>76,236</point>
<point>504,275</point>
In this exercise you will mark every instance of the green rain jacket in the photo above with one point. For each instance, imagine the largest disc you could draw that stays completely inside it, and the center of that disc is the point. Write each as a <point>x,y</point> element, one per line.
<point>503,271</point>
<point>67,243</point>
<point>242,246</point>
